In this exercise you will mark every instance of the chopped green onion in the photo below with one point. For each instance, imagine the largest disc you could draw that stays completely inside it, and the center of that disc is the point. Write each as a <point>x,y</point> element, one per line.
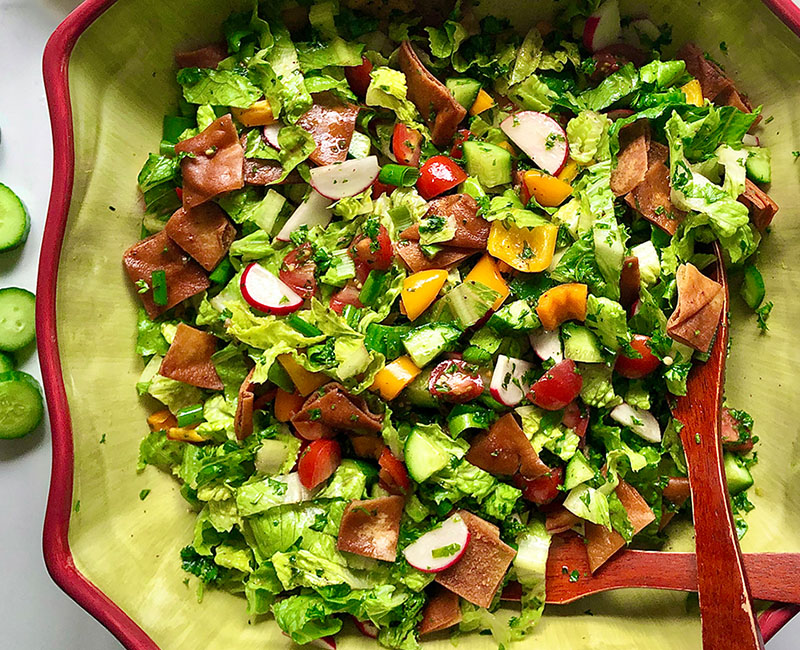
<point>466,416</point>
<point>158,280</point>
<point>341,269</point>
<point>373,287</point>
<point>303,326</point>
<point>446,551</point>
<point>351,315</point>
<point>190,415</point>
<point>401,217</point>
<point>398,175</point>
<point>223,273</point>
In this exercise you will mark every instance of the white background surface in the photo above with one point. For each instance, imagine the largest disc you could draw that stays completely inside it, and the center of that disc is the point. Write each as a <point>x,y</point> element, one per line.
<point>34,613</point>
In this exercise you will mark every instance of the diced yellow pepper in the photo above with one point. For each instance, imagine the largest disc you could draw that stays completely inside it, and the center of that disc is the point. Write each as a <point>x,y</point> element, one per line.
<point>483,102</point>
<point>548,190</point>
<point>508,147</point>
<point>420,290</point>
<point>524,249</point>
<point>259,114</point>
<point>306,382</point>
<point>562,303</point>
<point>393,378</point>
<point>570,172</point>
<point>162,421</point>
<point>694,92</point>
<point>184,434</point>
<point>486,273</point>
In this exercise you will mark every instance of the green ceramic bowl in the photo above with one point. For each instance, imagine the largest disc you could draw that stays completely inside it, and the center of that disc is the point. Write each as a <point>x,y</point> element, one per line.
<point>109,76</point>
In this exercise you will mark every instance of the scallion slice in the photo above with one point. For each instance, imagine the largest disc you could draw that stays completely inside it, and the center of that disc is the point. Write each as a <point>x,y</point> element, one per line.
<point>373,287</point>
<point>398,175</point>
<point>303,326</point>
<point>466,416</point>
<point>190,415</point>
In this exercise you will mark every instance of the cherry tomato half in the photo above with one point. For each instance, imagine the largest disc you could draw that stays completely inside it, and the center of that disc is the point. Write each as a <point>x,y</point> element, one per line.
<point>461,136</point>
<point>455,381</point>
<point>297,271</point>
<point>347,295</point>
<point>439,174</point>
<point>393,475</point>
<point>557,387</point>
<point>318,462</point>
<point>374,253</point>
<point>406,145</point>
<point>637,368</point>
<point>358,76</point>
<point>576,419</point>
<point>543,489</point>
<point>379,188</point>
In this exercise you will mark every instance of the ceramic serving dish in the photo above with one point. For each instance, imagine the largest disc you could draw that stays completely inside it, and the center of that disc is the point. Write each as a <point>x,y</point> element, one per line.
<point>109,76</point>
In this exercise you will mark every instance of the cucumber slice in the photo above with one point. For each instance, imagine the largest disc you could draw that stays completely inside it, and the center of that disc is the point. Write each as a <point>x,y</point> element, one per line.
<point>427,342</point>
<point>15,224</point>
<point>21,405</point>
<point>517,317</point>
<point>423,457</point>
<point>759,164</point>
<point>6,362</point>
<point>738,476</point>
<point>464,90</point>
<point>17,318</point>
<point>578,471</point>
<point>417,392</point>
<point>580,344</point>
<point>752,289</point>
<point>490,164</point>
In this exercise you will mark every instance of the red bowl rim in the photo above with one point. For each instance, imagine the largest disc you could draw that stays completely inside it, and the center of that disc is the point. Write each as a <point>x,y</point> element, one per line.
<point>57,552</point>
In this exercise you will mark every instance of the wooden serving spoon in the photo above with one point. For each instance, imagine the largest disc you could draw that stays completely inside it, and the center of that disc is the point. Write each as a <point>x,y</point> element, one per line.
<point>726,608</point>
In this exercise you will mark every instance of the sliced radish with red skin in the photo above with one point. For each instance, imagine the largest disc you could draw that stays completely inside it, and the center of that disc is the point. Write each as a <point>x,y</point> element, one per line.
<point>311,212</point>
<point>547,345</point>
<point>439,548</point>
<point>270,132</point>
<point>509,380</point>
<point>264,291</point>
<point>641,422</point>
<point>367,628</point>
<point>750,140</point>
<point>540,137</point>
<point>348,178</point>
<point>644,27</point>
<point>603,27</point>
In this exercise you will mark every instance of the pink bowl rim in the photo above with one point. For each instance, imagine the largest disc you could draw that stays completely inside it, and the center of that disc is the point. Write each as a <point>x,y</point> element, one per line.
<point>57,553</point>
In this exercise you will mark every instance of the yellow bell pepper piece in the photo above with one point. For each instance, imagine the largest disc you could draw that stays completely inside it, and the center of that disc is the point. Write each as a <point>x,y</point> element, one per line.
<point>420,290</point>
<point>306,382</point>
<point>562,303</point>
<point>508,147</point>
<point>526,250</point>
<point>483,102</point>
<point>162,421</point>
<point>259,114</point>
<point>548,190</point>
<point>694,92</point>
<point>486,273</point>
<point>570,172</point>
<point>393,378</point>
<point>184,434</point>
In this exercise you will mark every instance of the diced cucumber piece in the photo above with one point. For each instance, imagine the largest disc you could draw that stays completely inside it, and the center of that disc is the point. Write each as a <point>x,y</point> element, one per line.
<point>417,392</point>
<point>738,476</point>
<point>360,145</point>
<point>759,164</point>
<point>578,471</point>
<point>17,318</point>
<point>518,317</point>
<point>465,90</point>
<point>580,344</point>
<point>490,164</point>
<point>752,289</point>
<point>427,342</point>
<point>386,339</point>
<point>21,405</point>
<point>6,362</point>
<point>15,224</point>
<point>424,457</point>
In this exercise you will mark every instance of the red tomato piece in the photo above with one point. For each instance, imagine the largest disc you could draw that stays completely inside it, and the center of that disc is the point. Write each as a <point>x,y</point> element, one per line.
<point>438,175</point>
<point>318,462</point>
<point>574,418</point>
<point>557,387</point>
<point>393,475</point>
<point>347,295</point>
<point>543,489</point>
<point>612,58</point>
<point>406,145</point>
<point>462,135</point>
<point>297,271</point>
<point>455,380</point>
<point>179,193</point>
<point>379,188</point>
<point>358,76</point>
<point>375,254</point>
<point>637,368</point>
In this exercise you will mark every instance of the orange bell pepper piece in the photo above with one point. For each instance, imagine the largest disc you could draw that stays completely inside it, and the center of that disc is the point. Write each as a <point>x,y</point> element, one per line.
<point>508,147</point>
<point>562,303</point>
<point>483,102</point>
<point>487,273</point>
<point>259,114</point>
<point>306,382</point>
<point>524,249</point>
<point>184,434</point>
<point>570,172</point>
<point>392,379</point>
<point>548,190</point>
<point>694,92</point>
<point>287,405</point>
<point>162,421</point>
<point>420,290</point>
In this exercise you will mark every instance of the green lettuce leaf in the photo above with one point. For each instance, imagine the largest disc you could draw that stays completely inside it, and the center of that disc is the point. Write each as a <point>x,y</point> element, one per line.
<point>217,87</point>
<point>588,138</point>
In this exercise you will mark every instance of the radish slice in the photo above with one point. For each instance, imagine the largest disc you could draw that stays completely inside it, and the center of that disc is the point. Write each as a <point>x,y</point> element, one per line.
<point>645,27</point>
<point>367,628</point>
<point>265,292</point>
<point>510,380</point>
<point>641,422</point>
<point>602,27</point>
<point>539,136</point>
<point>271,134</point>
<point>547,345</point>
<point>750,140</point>
<point>311,212</point>
<point>348,178</point>
<point>439,548</point>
